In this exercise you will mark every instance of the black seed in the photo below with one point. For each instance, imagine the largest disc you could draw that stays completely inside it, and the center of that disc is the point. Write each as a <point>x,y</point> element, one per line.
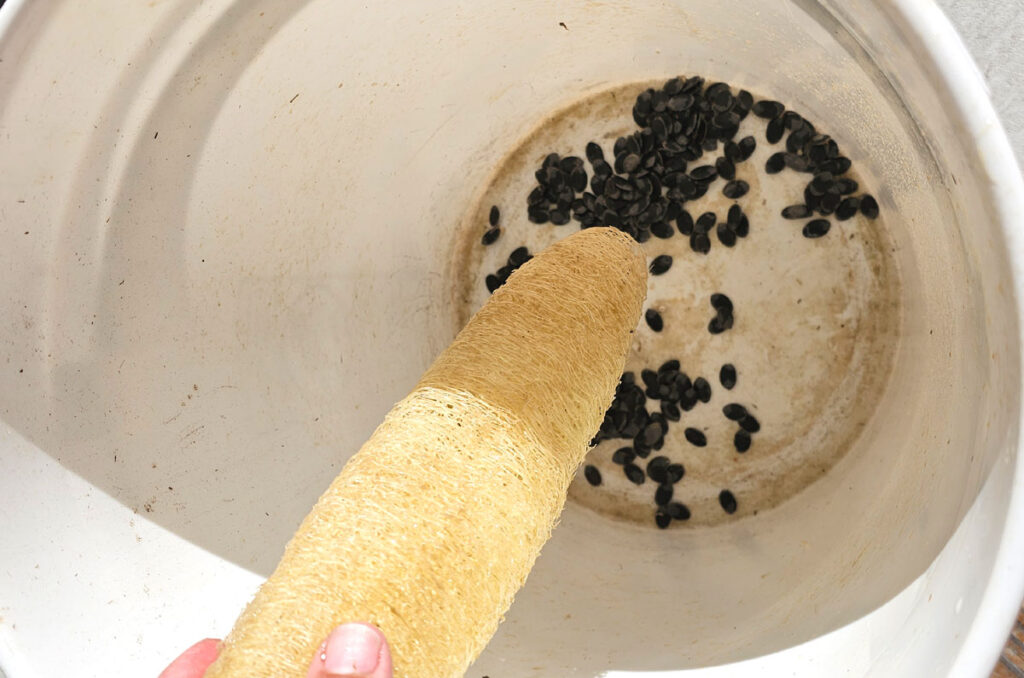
<point>654,320</point>
<point>536,197</point>
<point>692,83</point>
<point>732,152</point>
<point>656,469</point>
<point>495,213</point>
<point>660,128</point>
<point>663,494</point>
<point>749,424</point>
<point>795,162</point>
<point>519,256</point>
<point>831,149</point>
<point>674,473</point>
<point>727,501</point>
<point>703,389</point>
<point>775,163</point>
<point>670,410</point>
<point>726,235</point>
<point>659,102</point>
<point>725,168</point>
<point>490,235</point>
<point>624,455</point>
<point>721,302</point>
<point>594,152</point>
<point>796,212</point>
<point>792,120</point>
<point>821,182</point>
<point>742,227</point>
<point>774,131</point>
<point>735,189</point>
<point>734,411</point>
<point>695,437</point>
<point>550,159</point>
<point>570,163</point>
<point>662,519</point>
<point>768,109</point>
<point>578,180</point>
<point>634,473</point>
<point>847,208</point>
<point>602,169</point>
<point>678,511</point>
<point>817,153</point>
<point>798,139</point>
<point>550,177</point>
<point>680,103</point>
<point>688,188</point>
<point>734,214</point>
<point>700,243</point>
<point>537,214</point>
<point>816,228</point>
<point>747,145</point>
<point>673,86</point>
<point>592,474</point>
<point>830,201</point>
<point>559,217</point>
<point>704,222</point>
<point>719,96</point>
<point>869,206</point>
<point>704,173</point>
<point>669,366</point>
<point>661,264</point>
<point>650,378</point>
<point>630,162</point>
<point>662,229</point>
<point>812,201</point>
<point>742,441</point>
<point>493,282</point>
<point>652,433</point>
<point>847,186</point>
<point>727,376</point>
<point>685,223</point>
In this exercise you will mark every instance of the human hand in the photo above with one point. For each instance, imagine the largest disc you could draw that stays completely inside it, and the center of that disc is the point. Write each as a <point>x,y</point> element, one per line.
<point>350,651</point>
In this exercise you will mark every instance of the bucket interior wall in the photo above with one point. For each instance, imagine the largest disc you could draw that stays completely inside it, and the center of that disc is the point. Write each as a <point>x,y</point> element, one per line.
<point>252,261</point>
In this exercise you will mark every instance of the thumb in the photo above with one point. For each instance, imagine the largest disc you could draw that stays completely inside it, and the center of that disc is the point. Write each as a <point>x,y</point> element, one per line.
<point>353,651</point>
<point>194,661</point>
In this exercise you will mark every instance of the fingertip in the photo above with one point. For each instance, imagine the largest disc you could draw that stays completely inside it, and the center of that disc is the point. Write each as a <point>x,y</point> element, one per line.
<point>193,662</point>
<point>353,651</point>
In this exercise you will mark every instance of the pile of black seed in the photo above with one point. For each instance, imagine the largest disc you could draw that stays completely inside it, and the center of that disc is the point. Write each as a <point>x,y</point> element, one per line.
<point>628,418</point>
<point>643,191</point>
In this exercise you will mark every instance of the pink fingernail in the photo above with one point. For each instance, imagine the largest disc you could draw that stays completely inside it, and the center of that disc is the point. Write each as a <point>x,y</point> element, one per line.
<point>353,651</point>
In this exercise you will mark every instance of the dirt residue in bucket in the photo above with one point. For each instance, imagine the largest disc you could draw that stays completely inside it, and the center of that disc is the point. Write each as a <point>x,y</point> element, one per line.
<point>815,328</point>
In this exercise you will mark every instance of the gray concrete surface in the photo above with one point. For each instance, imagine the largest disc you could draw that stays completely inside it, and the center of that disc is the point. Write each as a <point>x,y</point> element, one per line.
<point>994,33</point>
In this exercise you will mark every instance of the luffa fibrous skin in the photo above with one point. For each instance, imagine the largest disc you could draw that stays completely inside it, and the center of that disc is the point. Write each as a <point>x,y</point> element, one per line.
<point>432,527</point>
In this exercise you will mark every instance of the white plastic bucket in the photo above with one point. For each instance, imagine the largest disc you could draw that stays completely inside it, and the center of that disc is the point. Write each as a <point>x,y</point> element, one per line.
<point>227,237</point>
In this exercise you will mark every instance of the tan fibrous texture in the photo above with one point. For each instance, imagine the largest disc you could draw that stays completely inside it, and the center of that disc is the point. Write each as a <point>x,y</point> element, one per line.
<point>432,527</point>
